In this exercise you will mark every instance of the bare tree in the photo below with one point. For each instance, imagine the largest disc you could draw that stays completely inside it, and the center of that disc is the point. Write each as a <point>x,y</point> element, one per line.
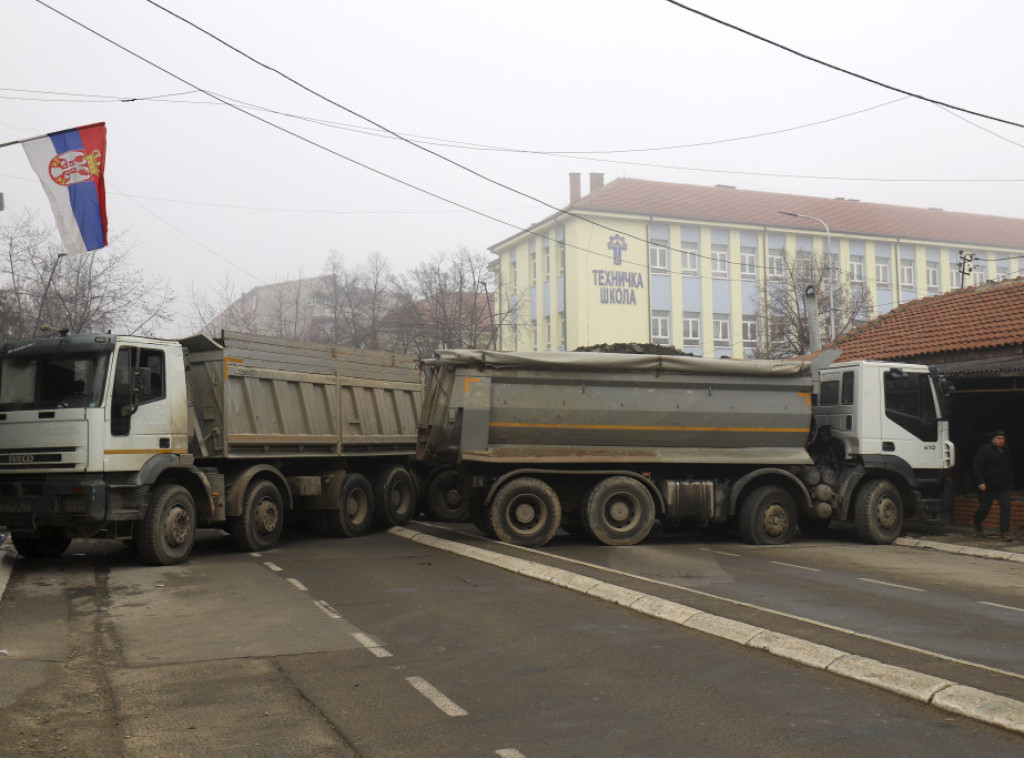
<point>352,303</point>
<point>444,302</point>
<point>781,308</point>
<point>85,292</point>
<point>221,308</point>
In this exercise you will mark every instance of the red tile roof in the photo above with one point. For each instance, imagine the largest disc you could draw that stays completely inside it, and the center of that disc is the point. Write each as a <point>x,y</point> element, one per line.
<point>988,316</point>
<point>734,206</point>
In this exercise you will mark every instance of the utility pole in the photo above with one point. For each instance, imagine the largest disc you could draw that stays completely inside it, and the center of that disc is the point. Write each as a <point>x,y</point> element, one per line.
<point>966,266</point>
<point>828,270</point>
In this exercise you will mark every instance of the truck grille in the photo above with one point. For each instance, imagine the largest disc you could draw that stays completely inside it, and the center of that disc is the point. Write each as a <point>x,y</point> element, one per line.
<point>43,457</point>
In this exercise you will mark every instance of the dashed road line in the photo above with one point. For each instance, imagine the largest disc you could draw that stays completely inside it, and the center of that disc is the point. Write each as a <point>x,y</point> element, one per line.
<point>434,695</point>
<point>371,644</point>
<point>297,584</point>
<point>272,566</point>
<point>328,610</point>
<point>890,584</point>
<point>796,566</point>
<point>509,752</point>
<point>720,552</point>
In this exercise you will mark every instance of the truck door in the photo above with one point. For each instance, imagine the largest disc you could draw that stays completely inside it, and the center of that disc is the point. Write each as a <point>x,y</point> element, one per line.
<point>910,424</point>
<point>140,411</point>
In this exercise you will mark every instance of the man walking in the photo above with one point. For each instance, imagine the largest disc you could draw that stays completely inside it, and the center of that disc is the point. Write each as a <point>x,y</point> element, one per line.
<point>993,475</point>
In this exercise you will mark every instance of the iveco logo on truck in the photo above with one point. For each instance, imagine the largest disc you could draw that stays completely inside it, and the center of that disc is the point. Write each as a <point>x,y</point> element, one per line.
<point>21,458</point>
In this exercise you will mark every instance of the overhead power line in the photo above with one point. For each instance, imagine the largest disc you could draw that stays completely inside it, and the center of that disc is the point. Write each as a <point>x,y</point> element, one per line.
<point>840,69</point>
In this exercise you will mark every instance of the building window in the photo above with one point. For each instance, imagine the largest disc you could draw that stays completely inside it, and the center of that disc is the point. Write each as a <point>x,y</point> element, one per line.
<point>719,261</point>
<point>776,265</point>
<point>512,273</point>
<point>561,259</point>
<point>1002,269</point>
<point>691,261</point>
<point>533,267</point>
<point>748,262</point>
<point>659,328</point>
<point>907,273</point>
<point>882,272</point>
<point>691,329</point>
<point>720,326</point>
<point>561,327</point>
<point>750,331</point>
<point>931,275</point>
<point>658,256</point>
<point>547,331</point>
<point>856,268</point>
<point>804,265</point>
<point>955,274</point>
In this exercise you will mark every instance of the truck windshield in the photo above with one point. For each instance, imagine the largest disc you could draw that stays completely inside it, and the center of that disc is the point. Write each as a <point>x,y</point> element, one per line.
<point>68,380</point>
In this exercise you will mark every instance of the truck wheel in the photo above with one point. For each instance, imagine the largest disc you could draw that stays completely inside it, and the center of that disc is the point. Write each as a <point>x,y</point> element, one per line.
<point>618,510</point>
<point>262,520</point>
<point>46,543</point>
<point>768,516</point>
<point>444,500</point>
<point>525,511</point>
<point>394,497</point>
<point>354,515</point>
<point>167,532</point>
<point>878,512</point>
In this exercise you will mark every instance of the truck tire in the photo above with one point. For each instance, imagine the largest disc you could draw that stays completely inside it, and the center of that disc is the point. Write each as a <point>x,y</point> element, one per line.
<point>618,510</point>
<point>46,543</point>
<point>878,512</point>
<point>262,520</point>
<point>480,517</point>
<point>525,511</point>
<point>354,515</point>
<point>768,516</point>
<point>167,532</point>
<point>394,497</point>
<point>444,500</point>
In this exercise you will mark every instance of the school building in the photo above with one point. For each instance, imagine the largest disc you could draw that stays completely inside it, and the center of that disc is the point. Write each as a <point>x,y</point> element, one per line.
<point>688,265</point>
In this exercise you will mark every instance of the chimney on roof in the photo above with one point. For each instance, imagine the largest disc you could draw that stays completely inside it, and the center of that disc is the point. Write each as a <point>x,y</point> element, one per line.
<point>596,182</point>
<point>574,188</point>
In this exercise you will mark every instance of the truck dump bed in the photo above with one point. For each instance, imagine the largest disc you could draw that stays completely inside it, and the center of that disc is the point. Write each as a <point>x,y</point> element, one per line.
<point>569,408</point>
<point>257,396</point>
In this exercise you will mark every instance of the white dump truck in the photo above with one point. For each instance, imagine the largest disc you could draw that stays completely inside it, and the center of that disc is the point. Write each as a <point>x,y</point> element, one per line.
<point>604,444</point>
<point>145,440</point>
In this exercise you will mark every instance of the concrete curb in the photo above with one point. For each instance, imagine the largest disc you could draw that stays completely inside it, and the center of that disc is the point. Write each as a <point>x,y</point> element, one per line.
<point>6,566</point>
<point>944,694</point>
<point>955,549</point>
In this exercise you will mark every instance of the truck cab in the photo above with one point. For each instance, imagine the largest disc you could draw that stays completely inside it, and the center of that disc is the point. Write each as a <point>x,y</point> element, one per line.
<point>84,420</point>
<point>890,416</point>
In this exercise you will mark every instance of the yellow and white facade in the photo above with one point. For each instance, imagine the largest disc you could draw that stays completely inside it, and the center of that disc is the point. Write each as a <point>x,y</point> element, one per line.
<point>594,274</point>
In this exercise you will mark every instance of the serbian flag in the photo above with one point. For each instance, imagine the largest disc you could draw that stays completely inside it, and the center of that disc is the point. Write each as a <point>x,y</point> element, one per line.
<point>70,166</point>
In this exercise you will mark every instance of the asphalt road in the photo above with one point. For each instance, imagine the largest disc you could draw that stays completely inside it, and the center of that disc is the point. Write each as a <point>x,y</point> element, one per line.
<point>382,646</point>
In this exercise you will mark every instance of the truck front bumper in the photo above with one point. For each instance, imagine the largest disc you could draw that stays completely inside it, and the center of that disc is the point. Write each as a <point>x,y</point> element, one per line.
<point>53,500</point>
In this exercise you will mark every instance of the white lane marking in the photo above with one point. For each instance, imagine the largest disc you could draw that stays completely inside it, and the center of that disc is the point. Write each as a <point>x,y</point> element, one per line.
<point>795,566</point>
<point>719,552</point>
<point>298,585</point>
<point>256,555</point>
<point>509,752</point>
<point>739,604</point>
<point>272,566</point>
<point>890,584</point>
<point>371,644</point>
<point>1006,607</point>
<point>432,694</point>
<point>330,612</point>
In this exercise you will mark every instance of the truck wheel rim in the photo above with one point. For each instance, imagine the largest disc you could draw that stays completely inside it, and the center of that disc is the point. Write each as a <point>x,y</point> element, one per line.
<point>266,516</point>
<point>621,512</point>
<point>524,514</point>
<point>775,520</point>
<point>177,526</point>
<point>887,514</point>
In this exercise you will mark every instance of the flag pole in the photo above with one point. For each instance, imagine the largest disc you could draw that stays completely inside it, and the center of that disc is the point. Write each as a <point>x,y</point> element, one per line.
<point>50,134</point>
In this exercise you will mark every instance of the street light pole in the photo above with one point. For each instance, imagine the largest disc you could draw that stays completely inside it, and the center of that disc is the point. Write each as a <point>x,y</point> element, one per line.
<point>828,268</point>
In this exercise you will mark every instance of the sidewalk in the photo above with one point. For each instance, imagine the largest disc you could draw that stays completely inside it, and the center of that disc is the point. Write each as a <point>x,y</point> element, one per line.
<point>961,540</point>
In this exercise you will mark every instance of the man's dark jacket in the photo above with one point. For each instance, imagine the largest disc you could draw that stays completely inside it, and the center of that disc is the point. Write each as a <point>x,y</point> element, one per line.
<point>993,467</point>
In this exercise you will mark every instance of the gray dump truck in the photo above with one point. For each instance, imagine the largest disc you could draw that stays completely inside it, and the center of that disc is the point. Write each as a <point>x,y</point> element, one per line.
<point>145,440</point>
<point>603,445</point>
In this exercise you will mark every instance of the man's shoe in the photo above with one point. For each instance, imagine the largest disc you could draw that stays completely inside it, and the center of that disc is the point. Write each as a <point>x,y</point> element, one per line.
<point>1006,537</point>
<point>978,531</point>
